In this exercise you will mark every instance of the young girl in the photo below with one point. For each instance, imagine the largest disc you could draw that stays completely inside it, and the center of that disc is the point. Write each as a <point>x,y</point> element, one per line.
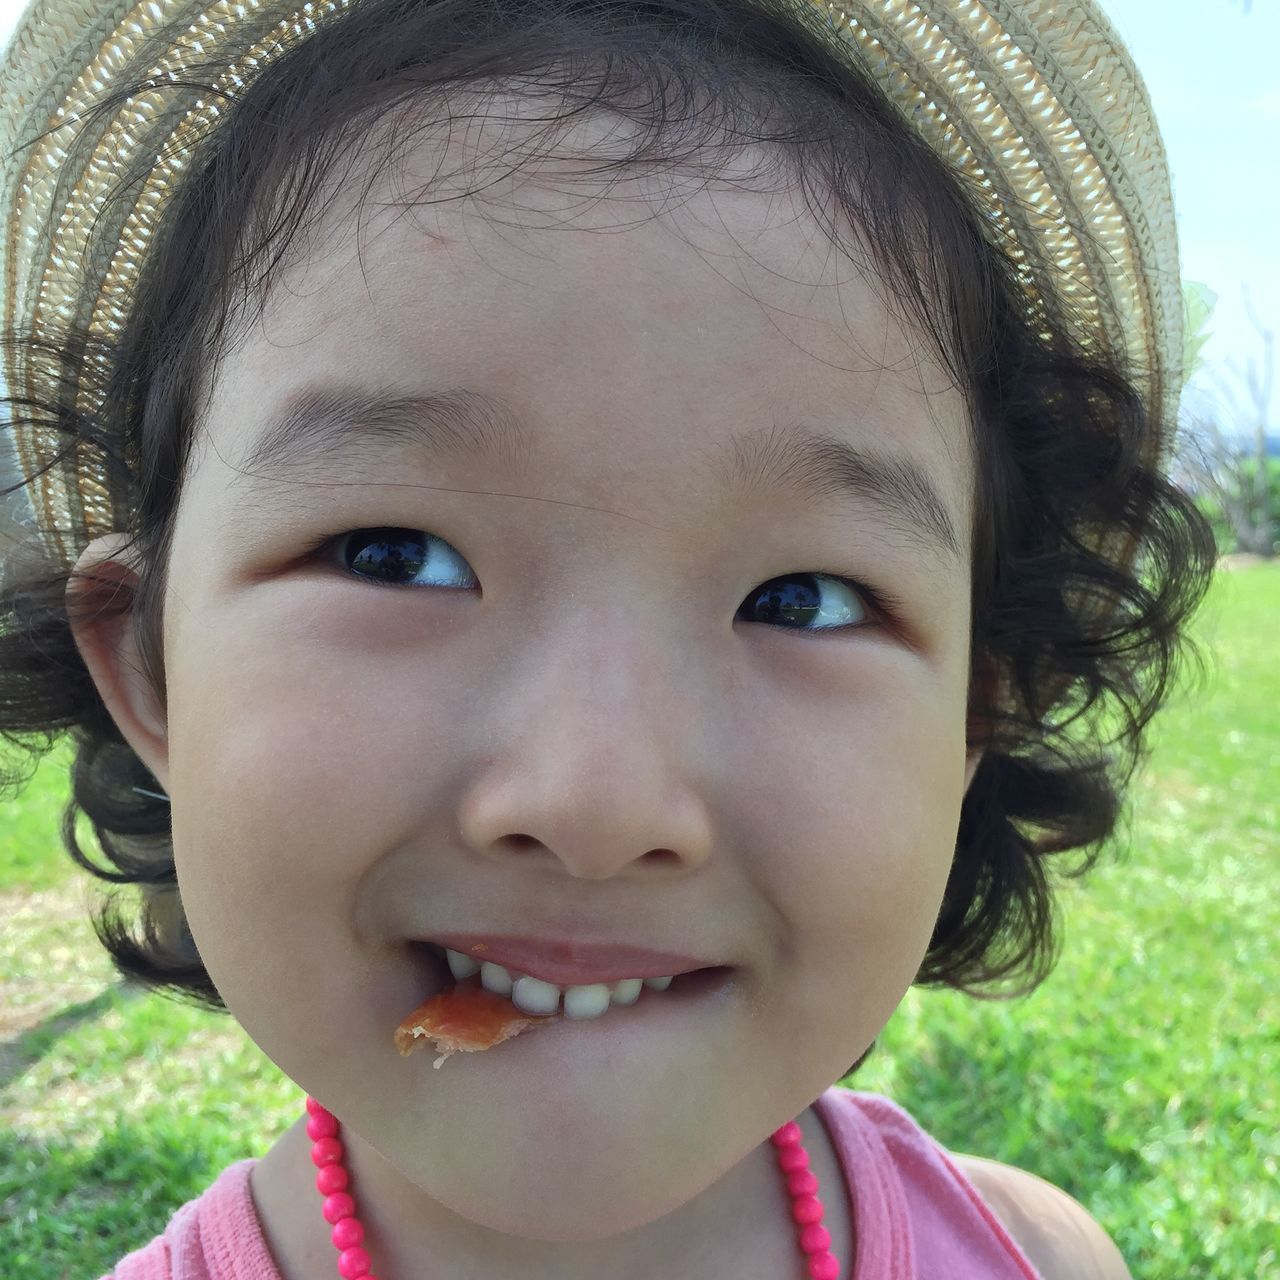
<point>607,492</point>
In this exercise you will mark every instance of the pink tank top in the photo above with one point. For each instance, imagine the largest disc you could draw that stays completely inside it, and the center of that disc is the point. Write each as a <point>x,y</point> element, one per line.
<point>915,1215</point>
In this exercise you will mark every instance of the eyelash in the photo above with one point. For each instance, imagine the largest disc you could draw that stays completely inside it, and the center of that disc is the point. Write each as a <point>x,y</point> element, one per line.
<point>882,605</point>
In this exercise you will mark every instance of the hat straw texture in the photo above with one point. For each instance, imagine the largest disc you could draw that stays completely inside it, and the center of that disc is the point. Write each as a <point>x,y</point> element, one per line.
<point>1036,102</point>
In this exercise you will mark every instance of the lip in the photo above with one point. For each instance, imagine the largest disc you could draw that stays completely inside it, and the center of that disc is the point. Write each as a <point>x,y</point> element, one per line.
<point>568,963</point>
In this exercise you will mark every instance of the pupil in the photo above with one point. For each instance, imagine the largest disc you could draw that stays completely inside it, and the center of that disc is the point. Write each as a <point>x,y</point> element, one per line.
<point>391,558</point>
<point>794,599</point>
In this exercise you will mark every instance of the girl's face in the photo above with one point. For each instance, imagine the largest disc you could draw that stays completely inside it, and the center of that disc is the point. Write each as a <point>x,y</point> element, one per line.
<point>581,718</point>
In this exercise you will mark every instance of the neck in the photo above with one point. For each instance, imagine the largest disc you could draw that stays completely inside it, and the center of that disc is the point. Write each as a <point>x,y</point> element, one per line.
<point>740,1226</point>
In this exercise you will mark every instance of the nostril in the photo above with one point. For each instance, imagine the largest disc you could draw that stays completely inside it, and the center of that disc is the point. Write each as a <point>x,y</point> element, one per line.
<point>662,855</point>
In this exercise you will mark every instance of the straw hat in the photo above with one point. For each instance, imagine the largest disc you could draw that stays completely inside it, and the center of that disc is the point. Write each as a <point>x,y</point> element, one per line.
<point>1037,101</point>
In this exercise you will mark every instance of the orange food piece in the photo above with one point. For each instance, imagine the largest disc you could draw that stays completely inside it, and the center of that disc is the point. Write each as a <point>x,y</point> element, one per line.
<point>464,1017</point>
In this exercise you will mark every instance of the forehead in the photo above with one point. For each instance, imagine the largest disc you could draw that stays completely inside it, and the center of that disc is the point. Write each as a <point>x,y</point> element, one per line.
<point>613,318</point>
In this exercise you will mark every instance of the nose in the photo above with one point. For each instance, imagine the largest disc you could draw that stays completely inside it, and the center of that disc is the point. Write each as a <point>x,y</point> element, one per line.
<point>601,758</point>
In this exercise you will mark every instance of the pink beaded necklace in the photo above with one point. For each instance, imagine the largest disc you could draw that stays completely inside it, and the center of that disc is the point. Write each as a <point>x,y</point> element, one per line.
<point>328,1153</point>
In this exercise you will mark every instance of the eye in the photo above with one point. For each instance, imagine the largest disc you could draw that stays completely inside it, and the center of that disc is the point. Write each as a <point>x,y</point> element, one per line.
<point>402,557</point>
<point>808,602</point>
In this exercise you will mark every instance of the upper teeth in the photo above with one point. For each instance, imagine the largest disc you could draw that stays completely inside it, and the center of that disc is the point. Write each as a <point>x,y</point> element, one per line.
<point>532,995</point>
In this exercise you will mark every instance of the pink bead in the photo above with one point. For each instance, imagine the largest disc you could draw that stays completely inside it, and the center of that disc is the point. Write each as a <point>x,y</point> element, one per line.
<point>815,1238</point>
<point>314,1108</point>
<point>823,1266</point>
<point>346,1233</point>
<point>806,1209</point>
<point>353,1264</point>
<point>804,1182</point>
<point>331,1178</point>
<point>339,1205</point>
<point>326,1151</point>
<point>788,1135</point>
<point>793,1159</point>
<point>325,1126</point>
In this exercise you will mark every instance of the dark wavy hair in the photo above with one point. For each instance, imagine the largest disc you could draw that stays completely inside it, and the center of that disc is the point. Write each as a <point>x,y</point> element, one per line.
<point>1088,562</point>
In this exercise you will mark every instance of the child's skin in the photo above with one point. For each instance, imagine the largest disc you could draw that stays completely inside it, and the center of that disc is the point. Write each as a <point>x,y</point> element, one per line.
<point>590,742</point>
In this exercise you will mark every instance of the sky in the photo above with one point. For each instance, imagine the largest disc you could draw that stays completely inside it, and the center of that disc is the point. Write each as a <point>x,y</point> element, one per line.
<point>1212,68</point>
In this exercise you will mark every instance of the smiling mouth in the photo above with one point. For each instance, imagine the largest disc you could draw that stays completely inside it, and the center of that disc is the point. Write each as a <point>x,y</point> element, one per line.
<point>682,985</point>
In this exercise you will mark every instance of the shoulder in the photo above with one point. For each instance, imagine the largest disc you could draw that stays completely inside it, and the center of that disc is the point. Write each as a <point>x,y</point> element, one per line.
<point>213,1237</point>
<point>1056,1232</point>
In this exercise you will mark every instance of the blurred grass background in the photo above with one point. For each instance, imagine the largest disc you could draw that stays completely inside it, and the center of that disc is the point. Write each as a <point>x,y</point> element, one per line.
<point>1141,1077</point>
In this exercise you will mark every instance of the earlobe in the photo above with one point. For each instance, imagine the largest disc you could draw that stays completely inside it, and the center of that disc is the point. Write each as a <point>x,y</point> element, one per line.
<point>971,762</point>
<point>100,598</point>
<point>977,727</point>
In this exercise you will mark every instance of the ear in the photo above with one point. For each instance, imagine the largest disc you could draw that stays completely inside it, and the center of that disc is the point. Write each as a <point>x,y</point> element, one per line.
<point>972,759</point>
<point>100,608</point>
<point>976,726</point>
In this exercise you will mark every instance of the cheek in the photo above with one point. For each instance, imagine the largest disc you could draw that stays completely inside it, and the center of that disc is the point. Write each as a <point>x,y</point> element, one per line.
<point>850,824</point>
<point>298,754</point>
<point>852,817</point>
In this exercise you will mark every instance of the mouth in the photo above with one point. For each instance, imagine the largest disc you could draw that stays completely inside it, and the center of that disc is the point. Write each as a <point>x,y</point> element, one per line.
<point>534,996</point>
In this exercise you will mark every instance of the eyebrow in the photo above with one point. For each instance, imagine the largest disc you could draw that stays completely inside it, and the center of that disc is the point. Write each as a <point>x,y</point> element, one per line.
<point>322,420</point>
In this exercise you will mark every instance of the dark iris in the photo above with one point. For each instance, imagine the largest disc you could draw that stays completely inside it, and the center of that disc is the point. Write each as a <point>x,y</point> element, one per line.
<point>794,599</point>
<point>389,558</point>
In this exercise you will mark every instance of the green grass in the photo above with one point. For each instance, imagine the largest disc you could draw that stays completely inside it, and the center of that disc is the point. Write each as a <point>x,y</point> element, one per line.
<point>1142,1076</point>
<point>31,855</point>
